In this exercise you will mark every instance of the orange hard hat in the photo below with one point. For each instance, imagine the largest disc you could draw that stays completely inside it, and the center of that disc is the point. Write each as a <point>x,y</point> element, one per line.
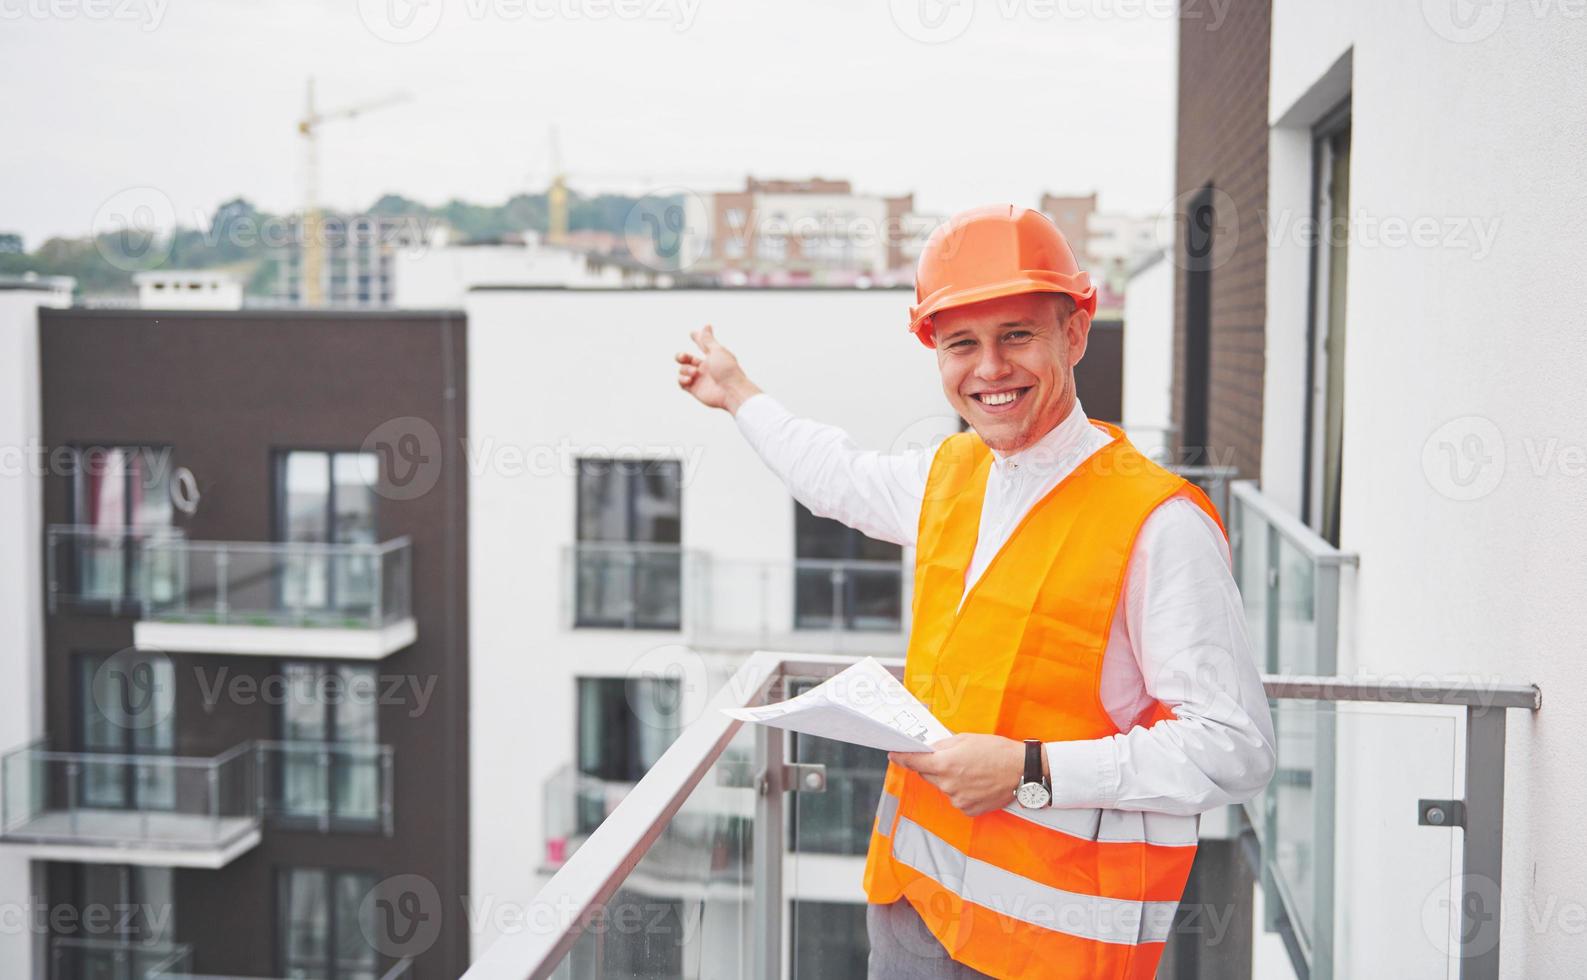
<point>991,252</point>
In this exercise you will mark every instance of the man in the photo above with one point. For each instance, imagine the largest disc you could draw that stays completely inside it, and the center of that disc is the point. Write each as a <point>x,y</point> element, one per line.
<point>1074,620</point>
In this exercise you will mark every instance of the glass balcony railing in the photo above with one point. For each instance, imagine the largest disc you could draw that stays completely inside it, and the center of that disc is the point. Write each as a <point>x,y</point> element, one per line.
<point>165,804</point>
<point>802,604</point>
<point>1291,581</point>
<point>188,811</point>
<point>250,583</point>
<point>107,959</point>
<point>107,569</point>
<point>695,874</point>
<point>327,785</point>
<point>1214,480</point>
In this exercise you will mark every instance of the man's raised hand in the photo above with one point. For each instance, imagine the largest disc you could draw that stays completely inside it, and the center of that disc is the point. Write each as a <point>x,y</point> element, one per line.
<point>713,376</point>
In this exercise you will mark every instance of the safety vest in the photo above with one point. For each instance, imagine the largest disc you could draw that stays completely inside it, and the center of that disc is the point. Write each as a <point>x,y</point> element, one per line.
<point>1069,893</point>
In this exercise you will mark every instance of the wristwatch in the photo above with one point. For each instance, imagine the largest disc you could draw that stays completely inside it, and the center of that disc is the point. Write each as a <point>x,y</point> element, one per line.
<point>1033,791</point>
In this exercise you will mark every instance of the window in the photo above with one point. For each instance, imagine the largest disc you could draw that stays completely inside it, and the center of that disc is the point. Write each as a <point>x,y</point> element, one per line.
<point>120,494</point>
<point>330,769</point>
<point>828,939</point>
<point>843,579</point>
<point>327,498</point>
<point>624,724</point>
<point>318,929</point>
<point>1199,260</point>
<point>629,566</point>
<point>1325,367</point>
<point>125,707</point>
<point>115,904</point>
<point>839,820</point>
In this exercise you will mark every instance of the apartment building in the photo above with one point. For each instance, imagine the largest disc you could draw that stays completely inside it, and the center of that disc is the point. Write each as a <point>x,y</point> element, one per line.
<point>1109,244</point>
<point>356,257</point>
<point>1413,504</point>
<point>246,697</point>
<point>803,232</point>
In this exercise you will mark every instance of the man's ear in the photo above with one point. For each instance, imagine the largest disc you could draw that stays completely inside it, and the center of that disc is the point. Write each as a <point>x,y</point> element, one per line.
<point>1077,330</point>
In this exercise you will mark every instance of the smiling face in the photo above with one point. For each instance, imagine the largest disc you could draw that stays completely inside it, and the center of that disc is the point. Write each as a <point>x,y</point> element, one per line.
<point>1008,364</point>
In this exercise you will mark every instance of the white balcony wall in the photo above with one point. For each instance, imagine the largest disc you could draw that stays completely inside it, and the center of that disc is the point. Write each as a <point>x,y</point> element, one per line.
<point>556,375</point>
<point>21,592</point>
<point>1465,431</point>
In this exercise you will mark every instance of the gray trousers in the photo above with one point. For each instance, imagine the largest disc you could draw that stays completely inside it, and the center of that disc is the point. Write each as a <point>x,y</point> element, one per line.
<point>902,948</point>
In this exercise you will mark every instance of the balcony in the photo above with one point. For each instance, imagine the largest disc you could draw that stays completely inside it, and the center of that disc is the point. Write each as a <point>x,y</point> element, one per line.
<point>177,811</point>
<point>695,865</point>
<point>162,810</point>
<point>102,569</point>
<point>821,606</point>
<point>342,601</point>
<point>107,959</point>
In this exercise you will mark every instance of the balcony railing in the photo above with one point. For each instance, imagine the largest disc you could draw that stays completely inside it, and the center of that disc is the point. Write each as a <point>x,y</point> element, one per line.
<point>801,604</point>
<point>350,601</point>
<point>106,569</point>
<point>151,808</point>
<point>107,959</point>
<point>696,853</point>
<point>185,811</point>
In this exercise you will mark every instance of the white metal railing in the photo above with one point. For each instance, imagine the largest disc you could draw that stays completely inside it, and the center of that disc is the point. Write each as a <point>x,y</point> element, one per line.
<point>355,586</point>
<point>103,568</point>
<point>719,867</point>
<point>848,605</point>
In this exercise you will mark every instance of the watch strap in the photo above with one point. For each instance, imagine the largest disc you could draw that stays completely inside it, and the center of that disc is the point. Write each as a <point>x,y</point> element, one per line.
<point>1032,761</point>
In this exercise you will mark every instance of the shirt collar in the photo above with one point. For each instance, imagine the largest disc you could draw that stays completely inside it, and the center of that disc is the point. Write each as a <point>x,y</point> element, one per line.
<point>1053,451</point>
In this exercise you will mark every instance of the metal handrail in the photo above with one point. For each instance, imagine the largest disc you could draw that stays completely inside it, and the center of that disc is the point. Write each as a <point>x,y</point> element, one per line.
<point>301,547</point>
<point>1290,526</point>
<point>594,873</point>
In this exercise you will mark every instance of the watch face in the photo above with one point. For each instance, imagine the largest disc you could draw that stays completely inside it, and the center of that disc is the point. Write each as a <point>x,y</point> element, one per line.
<point>1032,795</point>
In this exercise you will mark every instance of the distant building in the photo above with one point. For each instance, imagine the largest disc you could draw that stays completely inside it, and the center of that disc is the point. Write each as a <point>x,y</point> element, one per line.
<point>805,232</point>
<point>1108,244</point>
<point>439,274</point>
<point>58,288</point>
<point>356,257</point>
<point>188,289</point>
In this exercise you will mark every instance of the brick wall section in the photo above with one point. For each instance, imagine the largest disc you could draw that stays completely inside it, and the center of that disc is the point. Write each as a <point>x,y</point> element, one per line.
<point>1222,141</point>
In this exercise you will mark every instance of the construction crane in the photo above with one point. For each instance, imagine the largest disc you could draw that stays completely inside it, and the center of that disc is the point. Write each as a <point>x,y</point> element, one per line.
<point>312,289</point>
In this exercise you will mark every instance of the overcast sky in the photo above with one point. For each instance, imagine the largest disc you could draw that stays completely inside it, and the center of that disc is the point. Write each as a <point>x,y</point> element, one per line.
<point>960,104</point>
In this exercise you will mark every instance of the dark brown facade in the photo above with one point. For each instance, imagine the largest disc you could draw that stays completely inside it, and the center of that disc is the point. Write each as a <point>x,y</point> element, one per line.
<point>1220,248</point>
<point>227,391</point>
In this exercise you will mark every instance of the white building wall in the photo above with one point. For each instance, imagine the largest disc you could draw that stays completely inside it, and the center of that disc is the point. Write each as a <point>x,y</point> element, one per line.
<point>21,586</point>
<point>1465,427</point>
<point>1149,356</point>
<point>553,375</point>
<point>427,277</point>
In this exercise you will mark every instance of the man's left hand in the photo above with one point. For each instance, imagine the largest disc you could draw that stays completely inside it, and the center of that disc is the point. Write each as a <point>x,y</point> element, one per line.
<point>977,773</point>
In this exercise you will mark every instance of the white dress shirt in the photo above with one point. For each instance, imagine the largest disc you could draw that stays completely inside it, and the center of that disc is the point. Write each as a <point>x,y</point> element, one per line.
<point>1177,637</point>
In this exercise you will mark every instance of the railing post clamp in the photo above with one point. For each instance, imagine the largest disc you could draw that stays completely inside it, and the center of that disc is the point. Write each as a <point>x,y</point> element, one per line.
<point>1441,813</point>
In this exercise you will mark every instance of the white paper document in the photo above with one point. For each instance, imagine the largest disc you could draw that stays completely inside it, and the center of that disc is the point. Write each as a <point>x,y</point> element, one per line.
<point>864,705</point>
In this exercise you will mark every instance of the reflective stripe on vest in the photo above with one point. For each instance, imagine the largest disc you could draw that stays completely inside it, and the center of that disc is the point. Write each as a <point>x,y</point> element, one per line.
<point>1078,893</point>
<point>1107,920</point>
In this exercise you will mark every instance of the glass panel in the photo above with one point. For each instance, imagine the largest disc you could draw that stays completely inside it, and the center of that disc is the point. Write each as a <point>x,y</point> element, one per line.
<point>686,909</point>
<point>306,921</point>
<point>603,502</point>
<point>355,957</point>
<point>658,500</point>
<point>839,820</point>
<point>604,578</point>
<point>354,573</point>
<point>827,939</point>
<point>1296,642</point>
<point>658,589</point>
<point>1341,818</point>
